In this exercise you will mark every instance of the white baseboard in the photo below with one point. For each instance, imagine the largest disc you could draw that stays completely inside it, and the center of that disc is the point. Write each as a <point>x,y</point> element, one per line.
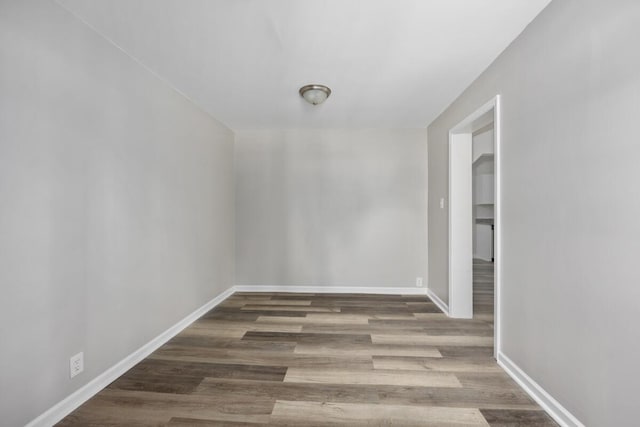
<point>66,406</point>
<point>558,412</point>
<point>73,401</point>
<point>332,289</point>
<point>437,301</point>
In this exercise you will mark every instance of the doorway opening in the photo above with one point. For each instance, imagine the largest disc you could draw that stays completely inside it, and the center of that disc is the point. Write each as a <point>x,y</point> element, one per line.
<point>474,217</point>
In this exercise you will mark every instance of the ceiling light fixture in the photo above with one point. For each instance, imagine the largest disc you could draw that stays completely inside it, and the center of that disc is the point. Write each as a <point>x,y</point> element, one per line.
<point>315,94</point>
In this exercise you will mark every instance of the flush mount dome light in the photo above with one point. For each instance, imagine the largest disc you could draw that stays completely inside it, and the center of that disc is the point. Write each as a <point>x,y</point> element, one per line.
<point>315,94</point>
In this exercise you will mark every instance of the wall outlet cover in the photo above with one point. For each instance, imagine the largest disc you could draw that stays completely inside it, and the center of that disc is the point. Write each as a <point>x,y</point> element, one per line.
<point>418,282</point>
<point>76,364</point>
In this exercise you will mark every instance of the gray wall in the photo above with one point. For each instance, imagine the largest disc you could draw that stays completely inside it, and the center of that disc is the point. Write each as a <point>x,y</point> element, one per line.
<point>116,206</point>
<point>570,87</point>
<point>331,208</point>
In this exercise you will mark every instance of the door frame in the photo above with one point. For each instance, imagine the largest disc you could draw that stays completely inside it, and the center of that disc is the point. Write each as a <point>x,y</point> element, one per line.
<point>461,217</point>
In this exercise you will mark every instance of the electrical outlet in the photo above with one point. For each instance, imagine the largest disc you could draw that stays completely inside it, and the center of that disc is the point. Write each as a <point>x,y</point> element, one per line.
<point>76,364</point>
<point>418,282</point>
<point>442,203</point>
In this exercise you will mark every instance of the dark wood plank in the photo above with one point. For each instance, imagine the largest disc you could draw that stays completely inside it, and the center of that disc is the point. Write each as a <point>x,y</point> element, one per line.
<point>171,369</point>
<point>193,422</point>
<point>226,343</point>
<point>308,338</point>
<point>513,418</point>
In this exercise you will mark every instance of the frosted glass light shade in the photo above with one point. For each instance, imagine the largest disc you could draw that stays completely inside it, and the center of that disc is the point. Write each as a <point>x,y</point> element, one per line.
<point>315,94</point>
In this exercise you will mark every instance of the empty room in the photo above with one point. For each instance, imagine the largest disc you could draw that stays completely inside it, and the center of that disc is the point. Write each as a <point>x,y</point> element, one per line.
<point>319,213</point>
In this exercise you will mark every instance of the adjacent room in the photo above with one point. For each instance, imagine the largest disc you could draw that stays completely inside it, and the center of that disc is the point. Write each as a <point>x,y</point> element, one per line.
<point>319,213</point>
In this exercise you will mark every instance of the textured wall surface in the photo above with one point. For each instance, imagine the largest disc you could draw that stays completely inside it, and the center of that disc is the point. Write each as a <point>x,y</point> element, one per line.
<point>569,85</point>
<point>331,208</point>
<point>116,206</point>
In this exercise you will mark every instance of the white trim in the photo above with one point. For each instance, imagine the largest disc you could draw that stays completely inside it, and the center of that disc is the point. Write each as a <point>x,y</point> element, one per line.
<point>437,301</point>
<point>77,398</point>
<point>558,412</point>
<point>63,408</point>
<point>460,225</point>
<point>497,225</point>
<point>462,127</point>
<point>333,289</point>
<point>74,400</point>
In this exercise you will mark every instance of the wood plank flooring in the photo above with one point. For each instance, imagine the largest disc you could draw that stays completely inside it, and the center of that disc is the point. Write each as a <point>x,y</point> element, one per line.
<point>483,289</point>
<point>284,359</point>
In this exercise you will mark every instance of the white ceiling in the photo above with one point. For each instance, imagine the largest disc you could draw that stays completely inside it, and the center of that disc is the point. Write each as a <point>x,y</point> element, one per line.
<point>389,63</point>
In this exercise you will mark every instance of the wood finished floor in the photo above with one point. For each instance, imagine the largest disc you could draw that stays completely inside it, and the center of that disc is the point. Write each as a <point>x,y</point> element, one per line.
<point>285,359</point>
